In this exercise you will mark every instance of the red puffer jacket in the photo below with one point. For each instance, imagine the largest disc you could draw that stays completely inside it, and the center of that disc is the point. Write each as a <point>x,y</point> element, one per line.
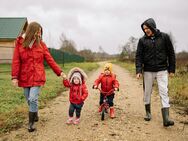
<point>78,93</point>
<point>108,82</point>
<point>28,64</point>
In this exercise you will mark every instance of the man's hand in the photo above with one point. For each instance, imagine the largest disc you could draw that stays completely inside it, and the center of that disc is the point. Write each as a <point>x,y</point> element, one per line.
<point>171,75</point>
<point>15,82</point>
<point>138,75</point>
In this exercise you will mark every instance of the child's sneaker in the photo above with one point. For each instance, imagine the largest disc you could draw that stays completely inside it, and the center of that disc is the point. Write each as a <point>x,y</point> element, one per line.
<point>70,120</point>
<point>76,121</point>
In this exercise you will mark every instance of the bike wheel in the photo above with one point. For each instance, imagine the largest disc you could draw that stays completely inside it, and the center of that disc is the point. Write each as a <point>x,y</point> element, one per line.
<point>102,114</point>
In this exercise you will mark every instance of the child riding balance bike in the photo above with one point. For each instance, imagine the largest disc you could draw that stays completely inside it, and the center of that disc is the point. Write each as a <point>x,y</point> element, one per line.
<point>109,84</point>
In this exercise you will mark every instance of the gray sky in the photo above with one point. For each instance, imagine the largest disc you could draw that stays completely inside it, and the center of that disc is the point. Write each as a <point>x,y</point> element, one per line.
<point>106,23</point>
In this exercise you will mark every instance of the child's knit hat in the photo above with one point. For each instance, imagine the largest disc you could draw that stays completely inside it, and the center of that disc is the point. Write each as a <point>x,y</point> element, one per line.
<point>108,66</point>
<point>76,74</point>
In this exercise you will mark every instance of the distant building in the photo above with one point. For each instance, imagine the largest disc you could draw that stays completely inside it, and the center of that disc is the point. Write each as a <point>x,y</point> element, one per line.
<point>10,29</point>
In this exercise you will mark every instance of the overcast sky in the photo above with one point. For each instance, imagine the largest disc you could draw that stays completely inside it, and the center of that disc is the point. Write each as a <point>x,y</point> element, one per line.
<point>105,23</point>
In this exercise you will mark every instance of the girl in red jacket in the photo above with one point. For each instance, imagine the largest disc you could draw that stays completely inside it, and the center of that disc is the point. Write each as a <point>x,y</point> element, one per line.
<point>78,93</point>
<point>108,82</point>
<point>28,67</point>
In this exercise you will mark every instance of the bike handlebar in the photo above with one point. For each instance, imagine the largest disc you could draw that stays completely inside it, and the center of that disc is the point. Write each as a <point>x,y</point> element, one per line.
<point>107,93</point>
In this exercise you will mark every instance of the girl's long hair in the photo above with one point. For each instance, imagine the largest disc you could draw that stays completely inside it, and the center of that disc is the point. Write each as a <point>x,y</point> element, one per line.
<point>30,34</point>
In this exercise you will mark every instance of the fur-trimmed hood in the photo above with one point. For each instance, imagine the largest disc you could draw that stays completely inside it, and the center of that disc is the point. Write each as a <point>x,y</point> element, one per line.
<point>76,69</point>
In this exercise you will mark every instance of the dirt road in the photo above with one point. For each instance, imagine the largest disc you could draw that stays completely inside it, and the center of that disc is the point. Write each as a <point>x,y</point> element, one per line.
<point>127,126</point>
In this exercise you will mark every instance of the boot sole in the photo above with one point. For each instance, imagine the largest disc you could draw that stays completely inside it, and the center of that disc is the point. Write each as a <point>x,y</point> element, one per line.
<point>167,125</point>
<point>31,130</point>
<point>147,119</point>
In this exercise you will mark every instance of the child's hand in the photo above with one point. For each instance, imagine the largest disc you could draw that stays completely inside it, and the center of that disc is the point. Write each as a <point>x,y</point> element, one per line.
<point>94,87</point>
<point>116,89</point>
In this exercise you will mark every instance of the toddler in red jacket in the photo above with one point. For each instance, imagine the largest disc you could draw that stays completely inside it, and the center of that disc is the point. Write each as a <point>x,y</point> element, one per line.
<point>108,81</point>
<point>77,94</point>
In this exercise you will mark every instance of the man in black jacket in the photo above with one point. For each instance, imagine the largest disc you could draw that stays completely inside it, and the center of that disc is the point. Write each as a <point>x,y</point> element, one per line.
<point>155,58</point>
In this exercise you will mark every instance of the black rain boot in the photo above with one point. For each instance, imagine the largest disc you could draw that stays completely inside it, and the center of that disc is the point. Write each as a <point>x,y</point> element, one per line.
<point>37,117</point>
<point>148,112</point>
<point>166,121</point>
<point>31,121</point>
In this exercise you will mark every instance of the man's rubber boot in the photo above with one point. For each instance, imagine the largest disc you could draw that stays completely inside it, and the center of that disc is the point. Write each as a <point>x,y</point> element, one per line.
<point>165,115</point>
<point>148,112</point>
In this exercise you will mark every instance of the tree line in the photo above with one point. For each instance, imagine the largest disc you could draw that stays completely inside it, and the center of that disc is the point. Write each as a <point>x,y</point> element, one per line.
<point>68,45</point>
<point>128,50</point>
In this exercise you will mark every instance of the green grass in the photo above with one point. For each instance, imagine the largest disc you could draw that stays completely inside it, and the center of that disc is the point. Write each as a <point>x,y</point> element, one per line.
<point>178,89</point>
<point>128,66</point>
<point>13,106</point>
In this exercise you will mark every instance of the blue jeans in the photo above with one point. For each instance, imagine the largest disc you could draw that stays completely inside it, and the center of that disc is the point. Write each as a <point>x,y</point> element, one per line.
<point>31,95</point>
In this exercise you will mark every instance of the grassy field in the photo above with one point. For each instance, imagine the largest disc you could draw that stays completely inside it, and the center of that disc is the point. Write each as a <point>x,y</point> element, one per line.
<point>178,85</point>
<point>13,107</point>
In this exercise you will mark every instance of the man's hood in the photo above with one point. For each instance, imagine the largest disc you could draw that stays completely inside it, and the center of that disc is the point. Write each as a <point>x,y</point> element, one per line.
<point>150,23</point>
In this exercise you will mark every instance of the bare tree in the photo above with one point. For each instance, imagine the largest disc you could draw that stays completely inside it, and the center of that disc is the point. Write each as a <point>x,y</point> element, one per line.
<point>87,54</point>
<point>101,50</point>
<point>68,45</point>
<point>129,49</point>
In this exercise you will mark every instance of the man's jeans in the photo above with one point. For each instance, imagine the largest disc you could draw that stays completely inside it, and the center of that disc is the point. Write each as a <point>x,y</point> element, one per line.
<point>31,95</point>
<point>162,81</point>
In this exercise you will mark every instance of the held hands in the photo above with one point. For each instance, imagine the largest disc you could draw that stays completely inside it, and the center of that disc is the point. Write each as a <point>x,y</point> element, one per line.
<point>63,75</point>
<point>15,82</point>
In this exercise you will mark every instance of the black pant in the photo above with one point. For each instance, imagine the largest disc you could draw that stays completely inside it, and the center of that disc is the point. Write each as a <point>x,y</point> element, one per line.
<point>77,107</point>
<point>110,99</point>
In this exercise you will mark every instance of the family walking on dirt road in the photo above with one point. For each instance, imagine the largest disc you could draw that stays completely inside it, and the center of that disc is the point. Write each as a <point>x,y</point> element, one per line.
<point>155,59</point>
